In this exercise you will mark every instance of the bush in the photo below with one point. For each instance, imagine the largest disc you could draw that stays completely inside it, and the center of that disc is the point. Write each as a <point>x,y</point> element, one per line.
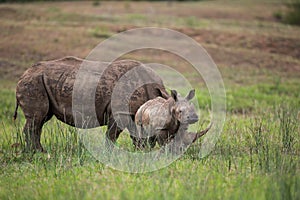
<point>293,15</point>
<point>96,2</point>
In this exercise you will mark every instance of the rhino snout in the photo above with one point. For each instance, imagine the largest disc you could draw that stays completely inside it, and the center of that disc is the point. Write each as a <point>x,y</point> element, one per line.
<point>192,119</point>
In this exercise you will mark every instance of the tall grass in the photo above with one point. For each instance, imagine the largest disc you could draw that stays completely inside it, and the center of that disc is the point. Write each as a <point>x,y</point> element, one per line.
<point>256,157</point>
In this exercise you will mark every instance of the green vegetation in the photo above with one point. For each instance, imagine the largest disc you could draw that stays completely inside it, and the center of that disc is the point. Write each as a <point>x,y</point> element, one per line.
<point>258,153</point>
<point>257,157</point>
<point>96,2</point>
<point>293,14</point>
<point>100,32</point>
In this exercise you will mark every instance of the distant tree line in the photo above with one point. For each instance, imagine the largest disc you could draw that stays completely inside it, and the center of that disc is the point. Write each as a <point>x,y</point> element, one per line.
<point>291,15</point>
<point>11,1</point>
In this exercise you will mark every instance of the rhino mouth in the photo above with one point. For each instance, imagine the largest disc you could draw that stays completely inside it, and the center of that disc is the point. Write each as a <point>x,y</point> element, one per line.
<point>193,120</point>
<point>190,120</point>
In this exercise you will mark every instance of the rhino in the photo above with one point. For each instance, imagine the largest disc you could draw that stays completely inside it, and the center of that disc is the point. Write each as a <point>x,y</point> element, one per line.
<point>159,119</point>
<point>45,90</point>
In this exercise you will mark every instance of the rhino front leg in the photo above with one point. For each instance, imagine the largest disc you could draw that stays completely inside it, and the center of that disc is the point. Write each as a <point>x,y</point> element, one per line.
<point>113,131</point>
<point>138,141</point>
<point>152,141</point>
<point>164,137</point>
<point>143,143</point>
<point>135,135</point>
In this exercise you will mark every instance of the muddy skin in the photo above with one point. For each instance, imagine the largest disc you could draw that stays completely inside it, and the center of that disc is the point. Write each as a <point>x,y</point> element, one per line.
<point>45,90</point>
<point>159,120</point>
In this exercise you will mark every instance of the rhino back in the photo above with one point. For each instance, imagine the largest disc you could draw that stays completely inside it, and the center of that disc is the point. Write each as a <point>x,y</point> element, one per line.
<point>59,77</point>
<point>154,114</point>
<point>56,79</point>
<point>107,82</point>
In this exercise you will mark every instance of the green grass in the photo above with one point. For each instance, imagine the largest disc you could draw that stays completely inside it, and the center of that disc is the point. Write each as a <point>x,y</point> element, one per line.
<point>100,32</point>
<point>256,157</point>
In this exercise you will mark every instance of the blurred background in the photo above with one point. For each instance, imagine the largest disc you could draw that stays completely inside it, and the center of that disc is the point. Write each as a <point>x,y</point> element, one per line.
<point>252,42</point>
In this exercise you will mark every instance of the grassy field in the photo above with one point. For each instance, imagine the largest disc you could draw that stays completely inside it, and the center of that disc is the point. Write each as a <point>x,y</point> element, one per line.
<point>258,153</point>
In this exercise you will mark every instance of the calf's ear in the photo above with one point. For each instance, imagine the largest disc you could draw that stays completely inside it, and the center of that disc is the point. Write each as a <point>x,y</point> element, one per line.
<point>190,95</point>
<point>171,103</point>
<point>174,94</point>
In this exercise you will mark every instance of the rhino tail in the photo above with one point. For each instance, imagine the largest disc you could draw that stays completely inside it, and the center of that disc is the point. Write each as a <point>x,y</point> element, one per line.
<point>16,110</point>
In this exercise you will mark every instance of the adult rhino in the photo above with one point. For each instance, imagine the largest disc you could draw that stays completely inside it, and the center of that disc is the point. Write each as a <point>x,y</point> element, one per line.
<point>46,89</point>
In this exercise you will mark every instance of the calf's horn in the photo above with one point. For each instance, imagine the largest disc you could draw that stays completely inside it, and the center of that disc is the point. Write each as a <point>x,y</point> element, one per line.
<point>201,133</point>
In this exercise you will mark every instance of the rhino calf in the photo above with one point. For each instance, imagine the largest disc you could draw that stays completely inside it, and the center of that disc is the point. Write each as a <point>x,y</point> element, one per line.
<point>159,119</point>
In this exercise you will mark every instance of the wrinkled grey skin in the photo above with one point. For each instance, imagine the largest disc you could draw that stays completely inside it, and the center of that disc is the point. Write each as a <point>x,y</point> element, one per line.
<point>45,90</point>
<point>159,119</point>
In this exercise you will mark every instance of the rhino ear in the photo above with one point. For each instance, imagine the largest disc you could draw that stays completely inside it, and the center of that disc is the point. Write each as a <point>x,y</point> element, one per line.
<point>190,95</point>
<point>174,94</point>
<point>171,103</point>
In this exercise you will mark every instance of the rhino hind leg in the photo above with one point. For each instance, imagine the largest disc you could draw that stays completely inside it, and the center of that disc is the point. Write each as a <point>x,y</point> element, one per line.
<point>35,104</point>
<point>138,141</point>
<point>32,131</point>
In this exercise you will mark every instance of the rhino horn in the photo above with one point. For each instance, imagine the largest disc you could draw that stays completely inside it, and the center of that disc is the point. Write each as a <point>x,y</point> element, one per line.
<point>201,133</point>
